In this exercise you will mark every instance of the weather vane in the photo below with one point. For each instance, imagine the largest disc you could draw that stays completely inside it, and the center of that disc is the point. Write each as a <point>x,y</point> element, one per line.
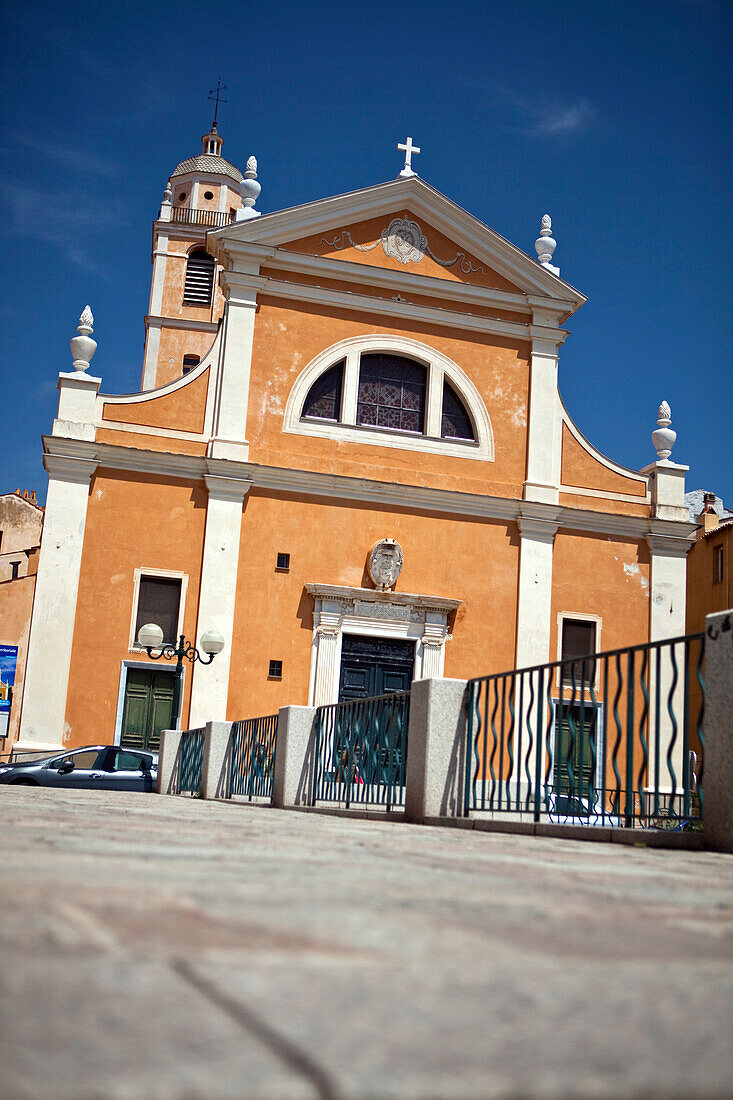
<point>217,97</point>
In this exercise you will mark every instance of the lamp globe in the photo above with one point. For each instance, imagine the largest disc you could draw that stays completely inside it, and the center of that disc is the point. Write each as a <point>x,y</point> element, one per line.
<point>212,642</point>
<point>150,636</point>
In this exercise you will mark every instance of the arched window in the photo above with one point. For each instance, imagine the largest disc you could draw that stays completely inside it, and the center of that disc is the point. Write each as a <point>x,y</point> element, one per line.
<point>391,393</point>
<point>455,423</point>
<point>199,279</point>
<point>394,392</point>
<point>324,397</point>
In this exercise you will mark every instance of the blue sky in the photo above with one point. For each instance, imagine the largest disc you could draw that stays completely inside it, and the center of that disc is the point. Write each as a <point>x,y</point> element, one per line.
<point>613,117</point>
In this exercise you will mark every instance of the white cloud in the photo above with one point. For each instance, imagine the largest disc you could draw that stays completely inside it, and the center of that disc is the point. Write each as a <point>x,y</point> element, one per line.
<point>543,117</point>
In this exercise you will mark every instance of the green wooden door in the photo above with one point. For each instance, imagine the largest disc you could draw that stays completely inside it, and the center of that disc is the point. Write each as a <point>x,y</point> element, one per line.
<point>575,758</point>
<point>148,708</point>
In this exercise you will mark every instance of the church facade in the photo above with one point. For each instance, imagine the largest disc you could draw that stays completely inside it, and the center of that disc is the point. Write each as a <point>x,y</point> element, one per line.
<point>348,456</point>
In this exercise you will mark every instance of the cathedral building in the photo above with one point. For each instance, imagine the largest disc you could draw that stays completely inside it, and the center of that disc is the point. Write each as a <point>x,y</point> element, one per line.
<point>348,456</point>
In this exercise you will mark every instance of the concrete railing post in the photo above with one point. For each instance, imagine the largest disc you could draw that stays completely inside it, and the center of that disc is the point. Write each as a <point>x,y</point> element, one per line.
<point>217,738</point>
<point>293,757</point>
<point>436,750</point>
<point>168,759</point>
<point>717,781</point>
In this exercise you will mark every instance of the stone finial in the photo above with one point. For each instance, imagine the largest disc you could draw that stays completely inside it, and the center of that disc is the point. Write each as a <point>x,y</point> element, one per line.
<point>250,191</point>
<point>546,245</point>
<point>168,194</point>
<point>82,346</point>
<point>663,437</point>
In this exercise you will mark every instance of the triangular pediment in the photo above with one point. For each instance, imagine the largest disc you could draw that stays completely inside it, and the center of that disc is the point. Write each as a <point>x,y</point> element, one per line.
<point>406,226</point>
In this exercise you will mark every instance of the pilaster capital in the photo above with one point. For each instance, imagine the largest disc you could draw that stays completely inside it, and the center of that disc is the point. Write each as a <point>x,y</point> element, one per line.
<point>240,288</point>
<point>546,340</point>
<point>668,546</point>
<point>75,471</point>
<point>538,523</point>
<point>227,488</point>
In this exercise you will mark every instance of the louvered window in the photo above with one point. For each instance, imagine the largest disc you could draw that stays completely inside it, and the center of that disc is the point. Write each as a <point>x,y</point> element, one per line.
<point>158,602</point>
<point>578,640</point>
<point>199,279</point>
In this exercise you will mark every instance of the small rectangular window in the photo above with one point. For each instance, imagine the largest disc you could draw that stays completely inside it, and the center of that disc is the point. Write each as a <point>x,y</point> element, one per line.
<point>189,362</point>
<point>14,567</point>
<point>159,601</point>
<point>578,640</point>
<point>283,563</point>
<point>718,563</point>
<point>276,670</point>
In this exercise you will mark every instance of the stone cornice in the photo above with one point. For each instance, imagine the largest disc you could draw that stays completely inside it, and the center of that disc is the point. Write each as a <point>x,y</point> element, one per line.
<point>366,490</point>
<point>153,321</point>
<point>374,595</point>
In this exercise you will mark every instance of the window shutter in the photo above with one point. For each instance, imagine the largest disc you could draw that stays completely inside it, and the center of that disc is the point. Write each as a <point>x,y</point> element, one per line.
<point>199,279</point>
<point>158,602</point>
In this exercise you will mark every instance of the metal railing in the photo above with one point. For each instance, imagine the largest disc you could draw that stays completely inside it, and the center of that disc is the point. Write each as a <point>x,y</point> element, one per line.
<point>612,739</point>
<point>213,218</point>
<point>361,751</point>
<point>192,758</point>
<point>252,760</point>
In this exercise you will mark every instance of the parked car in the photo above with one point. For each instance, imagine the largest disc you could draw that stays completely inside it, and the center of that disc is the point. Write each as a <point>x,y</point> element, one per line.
<point>93,767</point>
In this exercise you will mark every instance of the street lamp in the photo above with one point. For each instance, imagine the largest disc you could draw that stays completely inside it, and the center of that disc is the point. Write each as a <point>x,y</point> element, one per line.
<point>150,637</point>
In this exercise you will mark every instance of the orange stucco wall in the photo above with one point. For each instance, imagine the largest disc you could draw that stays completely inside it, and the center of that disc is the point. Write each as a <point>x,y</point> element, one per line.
<point>288,335</point>
<point>468,559</point>
<point>604,576</point>
<point>368,232</point>
<point>582,469</point>
<point>174,344</point>
<point>705,595</point>
<point>133,521</point>
<point>183,410</point>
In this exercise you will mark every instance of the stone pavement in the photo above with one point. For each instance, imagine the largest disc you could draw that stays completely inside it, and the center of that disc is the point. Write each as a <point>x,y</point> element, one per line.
<point>156,947</point>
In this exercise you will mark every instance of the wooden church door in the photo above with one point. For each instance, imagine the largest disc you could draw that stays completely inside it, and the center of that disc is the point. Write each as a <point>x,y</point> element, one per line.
<point>148,708</point>
<point>374,666</point>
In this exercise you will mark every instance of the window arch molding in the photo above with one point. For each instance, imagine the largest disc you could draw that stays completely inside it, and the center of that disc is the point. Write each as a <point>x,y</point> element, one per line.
<point>439,368</point>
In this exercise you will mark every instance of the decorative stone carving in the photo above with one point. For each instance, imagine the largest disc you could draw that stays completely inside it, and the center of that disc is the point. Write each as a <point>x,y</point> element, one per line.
<point>385,563</point>
<point>82,346</point>
<point>664,437</point>
<point>395,613</point>
<point>546,245</point>
<point>403,240</point>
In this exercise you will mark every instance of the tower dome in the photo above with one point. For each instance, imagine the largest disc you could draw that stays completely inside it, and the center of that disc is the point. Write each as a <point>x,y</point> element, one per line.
<point>210,161</point>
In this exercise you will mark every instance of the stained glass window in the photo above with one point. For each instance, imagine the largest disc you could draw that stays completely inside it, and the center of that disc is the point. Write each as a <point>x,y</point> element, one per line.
<point>324,397</point>
<point>391,393</point>
<point>455,421</point>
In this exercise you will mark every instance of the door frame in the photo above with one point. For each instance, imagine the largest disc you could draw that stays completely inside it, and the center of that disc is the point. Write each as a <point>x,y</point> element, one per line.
<point>146,666</point>
<point>414,644</point>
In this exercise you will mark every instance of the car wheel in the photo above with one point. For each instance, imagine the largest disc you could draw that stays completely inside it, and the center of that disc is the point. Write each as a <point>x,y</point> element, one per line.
<point>26,782</point>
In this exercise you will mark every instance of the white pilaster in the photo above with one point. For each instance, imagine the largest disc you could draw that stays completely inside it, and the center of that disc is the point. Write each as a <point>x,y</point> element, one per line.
<point>544,425</point>
<point>668,586</point>
<point>54,607</point>
<point>433,647</point>
<point>230,432</point>
<point>535,590</point>
<point>152,342</point>
<point>327,637</point>
<point>210,684</point>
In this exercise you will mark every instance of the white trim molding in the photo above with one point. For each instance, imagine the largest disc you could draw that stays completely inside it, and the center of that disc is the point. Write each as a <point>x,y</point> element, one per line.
<point>439,367</point>
<point>342,610</point>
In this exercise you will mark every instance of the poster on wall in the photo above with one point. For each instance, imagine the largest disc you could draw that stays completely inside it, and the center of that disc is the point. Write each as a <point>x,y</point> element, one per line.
<point>8,663</point>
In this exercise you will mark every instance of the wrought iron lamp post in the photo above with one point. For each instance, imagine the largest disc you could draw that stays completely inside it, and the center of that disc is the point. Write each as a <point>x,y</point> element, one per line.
<point>150,637</point>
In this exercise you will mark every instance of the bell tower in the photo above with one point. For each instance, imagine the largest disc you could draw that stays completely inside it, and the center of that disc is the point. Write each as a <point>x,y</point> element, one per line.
<point>204,192</point>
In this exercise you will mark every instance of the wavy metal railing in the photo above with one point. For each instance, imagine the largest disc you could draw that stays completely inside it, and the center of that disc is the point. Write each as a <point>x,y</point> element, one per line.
<point>252,763</point>
<point>613,739</point>
<point>192,758</point>
<point>361,751</point>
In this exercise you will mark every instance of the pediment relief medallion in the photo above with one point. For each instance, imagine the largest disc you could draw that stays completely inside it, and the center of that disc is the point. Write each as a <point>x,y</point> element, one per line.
<point>403,240</point>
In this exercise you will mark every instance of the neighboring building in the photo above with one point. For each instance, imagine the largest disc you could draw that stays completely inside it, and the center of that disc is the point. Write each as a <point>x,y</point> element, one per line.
<point>21,522</point>
<point>710,562</point>
<point>368,477</point>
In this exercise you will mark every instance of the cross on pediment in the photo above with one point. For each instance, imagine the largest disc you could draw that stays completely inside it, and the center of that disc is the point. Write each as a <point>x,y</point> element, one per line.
<point>409,149</point>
